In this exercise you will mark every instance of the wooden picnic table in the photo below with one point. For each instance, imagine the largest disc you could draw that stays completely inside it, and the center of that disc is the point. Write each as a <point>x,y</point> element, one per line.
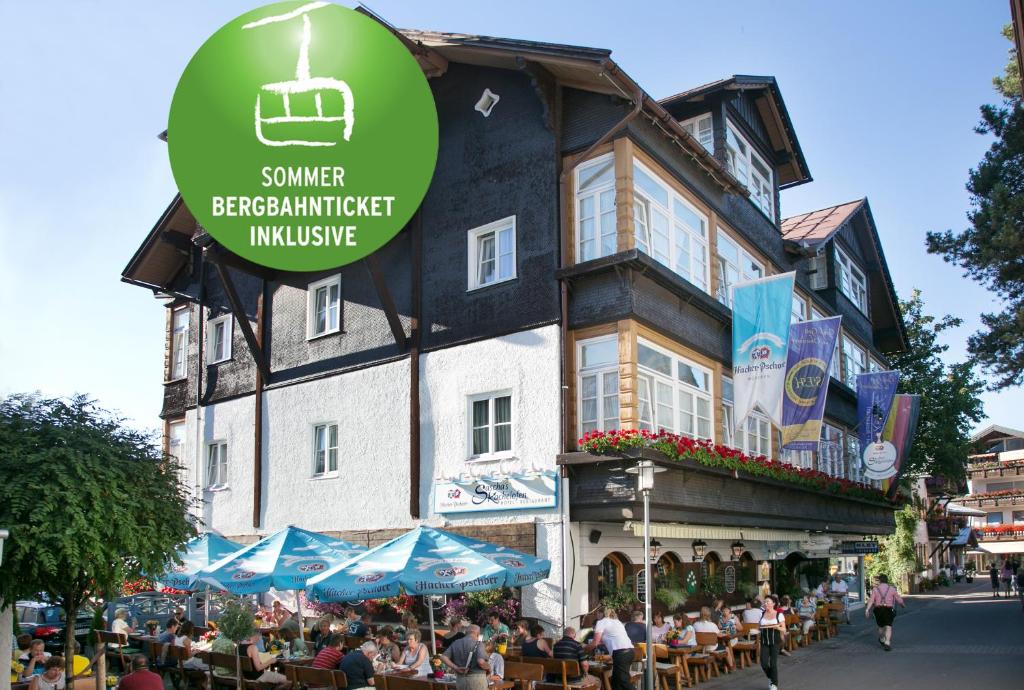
<point>412,674</point>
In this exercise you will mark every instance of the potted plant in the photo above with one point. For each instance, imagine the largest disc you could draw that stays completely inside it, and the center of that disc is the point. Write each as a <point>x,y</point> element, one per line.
<point>501,643</point>
<point>437,666</point>
<point>152,627</point>
<point>673,638</point>
<point>237,623</point>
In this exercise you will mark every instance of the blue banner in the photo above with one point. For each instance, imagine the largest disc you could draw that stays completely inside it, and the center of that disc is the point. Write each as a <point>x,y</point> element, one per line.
<point>875,394</point>
<point>811,345</point>
<point>760,338</point>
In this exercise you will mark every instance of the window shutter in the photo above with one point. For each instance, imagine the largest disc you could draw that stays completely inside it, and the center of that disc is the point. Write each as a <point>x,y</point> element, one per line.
<point>818,272</point>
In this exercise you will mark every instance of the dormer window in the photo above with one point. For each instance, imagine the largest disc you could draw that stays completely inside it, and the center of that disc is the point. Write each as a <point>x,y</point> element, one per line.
<point>700,129</point>
<point>850,280</point>
<point>751,170</point>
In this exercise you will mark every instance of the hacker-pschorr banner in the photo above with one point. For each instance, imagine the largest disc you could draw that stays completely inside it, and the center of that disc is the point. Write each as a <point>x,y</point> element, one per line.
<point>521,492</point>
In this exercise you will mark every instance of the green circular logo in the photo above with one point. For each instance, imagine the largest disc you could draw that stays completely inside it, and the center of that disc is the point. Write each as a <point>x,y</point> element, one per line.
<point>303,135</point>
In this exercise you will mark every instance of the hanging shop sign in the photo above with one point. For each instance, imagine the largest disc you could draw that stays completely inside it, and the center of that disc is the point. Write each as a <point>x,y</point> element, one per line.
<point>730,579</point>
<point>521,492</point>
<point>859,547</point>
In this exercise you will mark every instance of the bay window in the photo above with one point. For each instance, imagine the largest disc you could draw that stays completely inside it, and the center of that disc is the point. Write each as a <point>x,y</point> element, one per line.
<point>673,393</point>
<point>735,265</point>
<point>595,208</point>
<point>598,384</point>
<point>850,280</point>
<point>669,228</point>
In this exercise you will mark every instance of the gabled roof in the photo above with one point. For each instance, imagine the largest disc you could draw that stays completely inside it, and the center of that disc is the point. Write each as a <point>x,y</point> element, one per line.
<point>998,431</point>
<point>813,228</point>
<point>773,112</point>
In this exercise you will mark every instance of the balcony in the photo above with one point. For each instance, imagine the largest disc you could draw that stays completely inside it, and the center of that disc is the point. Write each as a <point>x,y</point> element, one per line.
<point>995,468</point>
<point>994,499</point>
<point>692,493</point>
<point>1000,532</point>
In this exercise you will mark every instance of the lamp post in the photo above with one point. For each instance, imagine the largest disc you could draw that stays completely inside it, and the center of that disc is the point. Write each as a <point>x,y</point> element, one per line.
<point>645,471</point>
<point>3,536</point>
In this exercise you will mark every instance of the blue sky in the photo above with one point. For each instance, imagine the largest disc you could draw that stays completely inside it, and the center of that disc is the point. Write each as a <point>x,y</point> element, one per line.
<point>884,97</point>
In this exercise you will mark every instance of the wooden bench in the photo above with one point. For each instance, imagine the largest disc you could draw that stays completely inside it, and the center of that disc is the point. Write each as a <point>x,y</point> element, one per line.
<point>564,669</point>
<point>116,647</point>
<point>664,668</point>
<point>315,677</point>
<point>747,646</point>
<point>721,658</point>
<point>523,673</point>
<point>230,662</point>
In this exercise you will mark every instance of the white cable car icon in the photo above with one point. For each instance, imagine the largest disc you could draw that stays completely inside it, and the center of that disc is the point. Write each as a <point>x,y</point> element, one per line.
<point>303,83</point>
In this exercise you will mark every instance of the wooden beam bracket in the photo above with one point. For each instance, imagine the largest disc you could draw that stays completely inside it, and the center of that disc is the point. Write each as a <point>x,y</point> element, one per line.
<point>240,317</point>
<point>390,311</point>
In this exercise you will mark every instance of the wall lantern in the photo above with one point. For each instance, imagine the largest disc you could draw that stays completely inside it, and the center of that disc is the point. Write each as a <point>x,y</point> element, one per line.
<point>655,550</point>
<point>738,548</point>
<point>699,546</point>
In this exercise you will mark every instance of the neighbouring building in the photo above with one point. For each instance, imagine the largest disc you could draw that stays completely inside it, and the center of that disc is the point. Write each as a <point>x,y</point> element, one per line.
<point>996,489</point>
<point>568,271</point>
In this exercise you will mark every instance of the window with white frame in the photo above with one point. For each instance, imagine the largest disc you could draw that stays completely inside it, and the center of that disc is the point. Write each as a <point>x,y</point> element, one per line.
<point>323,307</point>
<point>874,365</point>
<point>854,462</point>
<point>176,438</point>
<point>218,339</point>
<point>325,450</point>
<point>754,436</point>
<point>595,208</point>
<point>750,169</point>
<point>669,228</point>
<point>492,253</point>
<point>490,417</point>
<point>799,309</point>
<point>673,393</point>
<point>830,451</point>
<point>850,280</point>
<point>598,384</point>
<point>735,264</point>
<point>855,361</point>
<point>728,413</point>
<point>803,459</point>
<point>179,342</point>
<point>834,367</point>
<point>700,128</point>
<point>216,465</point>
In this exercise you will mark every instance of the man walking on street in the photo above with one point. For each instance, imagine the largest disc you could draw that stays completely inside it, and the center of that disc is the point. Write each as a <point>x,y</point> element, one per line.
<point>993,574</point>
<point>884,598</point>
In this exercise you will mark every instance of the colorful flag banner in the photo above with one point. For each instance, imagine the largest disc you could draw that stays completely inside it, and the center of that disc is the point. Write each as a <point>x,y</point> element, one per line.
<point>761,312</point>
<point>875,393</point>
<point>811,344</point>
<point>906,411</point>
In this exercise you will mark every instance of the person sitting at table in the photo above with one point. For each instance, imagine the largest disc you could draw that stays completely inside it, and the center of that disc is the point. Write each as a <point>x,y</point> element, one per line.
<point>752,612</point>
<point>416,655</point>
<point>687,635</point>
<point>184,637</point>
<point>387,649</point>
<point>716,612</point>
<point>321,632</point>
<point>278,613</point>
<point>141,678</point>
<point>705,625</point>
<point>20,652</point>
<point>289,621</point>
<point>821,593</point>
<point>785,605</point>
<point>728,624</point>
<point>522,631</point>
<point>568,648</point>
<point>261,665</point>
<point>636,628</point>
<point>34,659</point>
<point>120,623</point>
<point>294,643</point>
<point>841,591</point>
<point>659,627</point>
<point>179,615</point>
<point>167,639</point>
<point>497,662</point>
<point>456,633</point>
<point>329,656</point>
<point>534,645</point>
<point>356,627</point>
<point>358,666</point>
<point>806,609</point>
<point>494,627</point>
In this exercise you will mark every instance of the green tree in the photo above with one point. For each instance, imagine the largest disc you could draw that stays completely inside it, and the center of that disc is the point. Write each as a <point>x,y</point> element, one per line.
<point>950,403</point>
<point>990,249</point>
<point>91,502</point>
<point>896,557</point>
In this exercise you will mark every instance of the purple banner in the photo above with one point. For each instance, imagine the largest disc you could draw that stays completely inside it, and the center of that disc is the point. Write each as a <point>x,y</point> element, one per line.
<point>811,344</point>
<point>875,393</point>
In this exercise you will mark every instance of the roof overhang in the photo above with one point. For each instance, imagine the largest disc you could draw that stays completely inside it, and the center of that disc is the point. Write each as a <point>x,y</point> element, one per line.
<point>957,509</point>
<point>772,109</point>
<point>1002,546</point>
<point>166,251</point>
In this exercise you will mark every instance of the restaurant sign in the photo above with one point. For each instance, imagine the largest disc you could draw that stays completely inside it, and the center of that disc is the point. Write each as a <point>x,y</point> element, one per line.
<point>521,492</point>
<point>867,546</point>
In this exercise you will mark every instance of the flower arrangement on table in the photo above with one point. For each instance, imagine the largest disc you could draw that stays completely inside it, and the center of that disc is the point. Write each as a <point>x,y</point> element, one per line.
<point>674,638</point>
<point>16,668</point>
<point>707,453</point>
<point>152,626</point>
<point>209,636</point>
<point>500,642</point>
<point>275,646</point>
<point>437,666</point>
<point>112,681</point>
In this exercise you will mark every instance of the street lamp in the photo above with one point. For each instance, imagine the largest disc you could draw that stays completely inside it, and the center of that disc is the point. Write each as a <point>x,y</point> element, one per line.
<point>645,471</point>
<point>737,548</point>
<point>655,550</point>
<point>3,537</point>
<point>699,547</point>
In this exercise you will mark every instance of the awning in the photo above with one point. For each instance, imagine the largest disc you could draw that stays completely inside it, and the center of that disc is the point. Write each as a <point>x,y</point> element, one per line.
<point>965,538</point>
<point>668,530</point>
<point>957,509</point>
<point>1002,546</point>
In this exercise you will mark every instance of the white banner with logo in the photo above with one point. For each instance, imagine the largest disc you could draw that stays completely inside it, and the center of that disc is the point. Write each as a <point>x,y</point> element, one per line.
<point>521,492</point>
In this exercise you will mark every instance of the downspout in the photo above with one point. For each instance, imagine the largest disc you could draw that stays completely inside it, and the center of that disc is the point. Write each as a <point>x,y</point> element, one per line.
<point>416,239</point>
<point>565,173</point>
<point>257,469</point>
<point>199,380</point>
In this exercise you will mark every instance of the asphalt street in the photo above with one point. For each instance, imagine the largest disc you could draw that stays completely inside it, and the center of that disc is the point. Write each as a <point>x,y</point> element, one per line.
<point>959,637</point>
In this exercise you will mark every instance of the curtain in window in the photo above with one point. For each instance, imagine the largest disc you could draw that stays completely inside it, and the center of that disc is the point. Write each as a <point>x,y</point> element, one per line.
<point>502,424</point>
<point>480,425</point>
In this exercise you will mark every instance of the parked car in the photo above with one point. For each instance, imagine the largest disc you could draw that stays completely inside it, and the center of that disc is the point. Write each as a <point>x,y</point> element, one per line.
<point>45,622</point>
<point>158,606</point>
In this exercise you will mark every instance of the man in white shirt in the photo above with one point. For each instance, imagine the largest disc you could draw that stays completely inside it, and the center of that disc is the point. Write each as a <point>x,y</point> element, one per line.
<point>840,588</point>
<point>611,633</point>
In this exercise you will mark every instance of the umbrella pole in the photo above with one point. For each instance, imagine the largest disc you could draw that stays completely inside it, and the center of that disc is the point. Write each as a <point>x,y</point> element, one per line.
<point>206,608</point>
<point>430,616</point>
<point>302,621</point>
